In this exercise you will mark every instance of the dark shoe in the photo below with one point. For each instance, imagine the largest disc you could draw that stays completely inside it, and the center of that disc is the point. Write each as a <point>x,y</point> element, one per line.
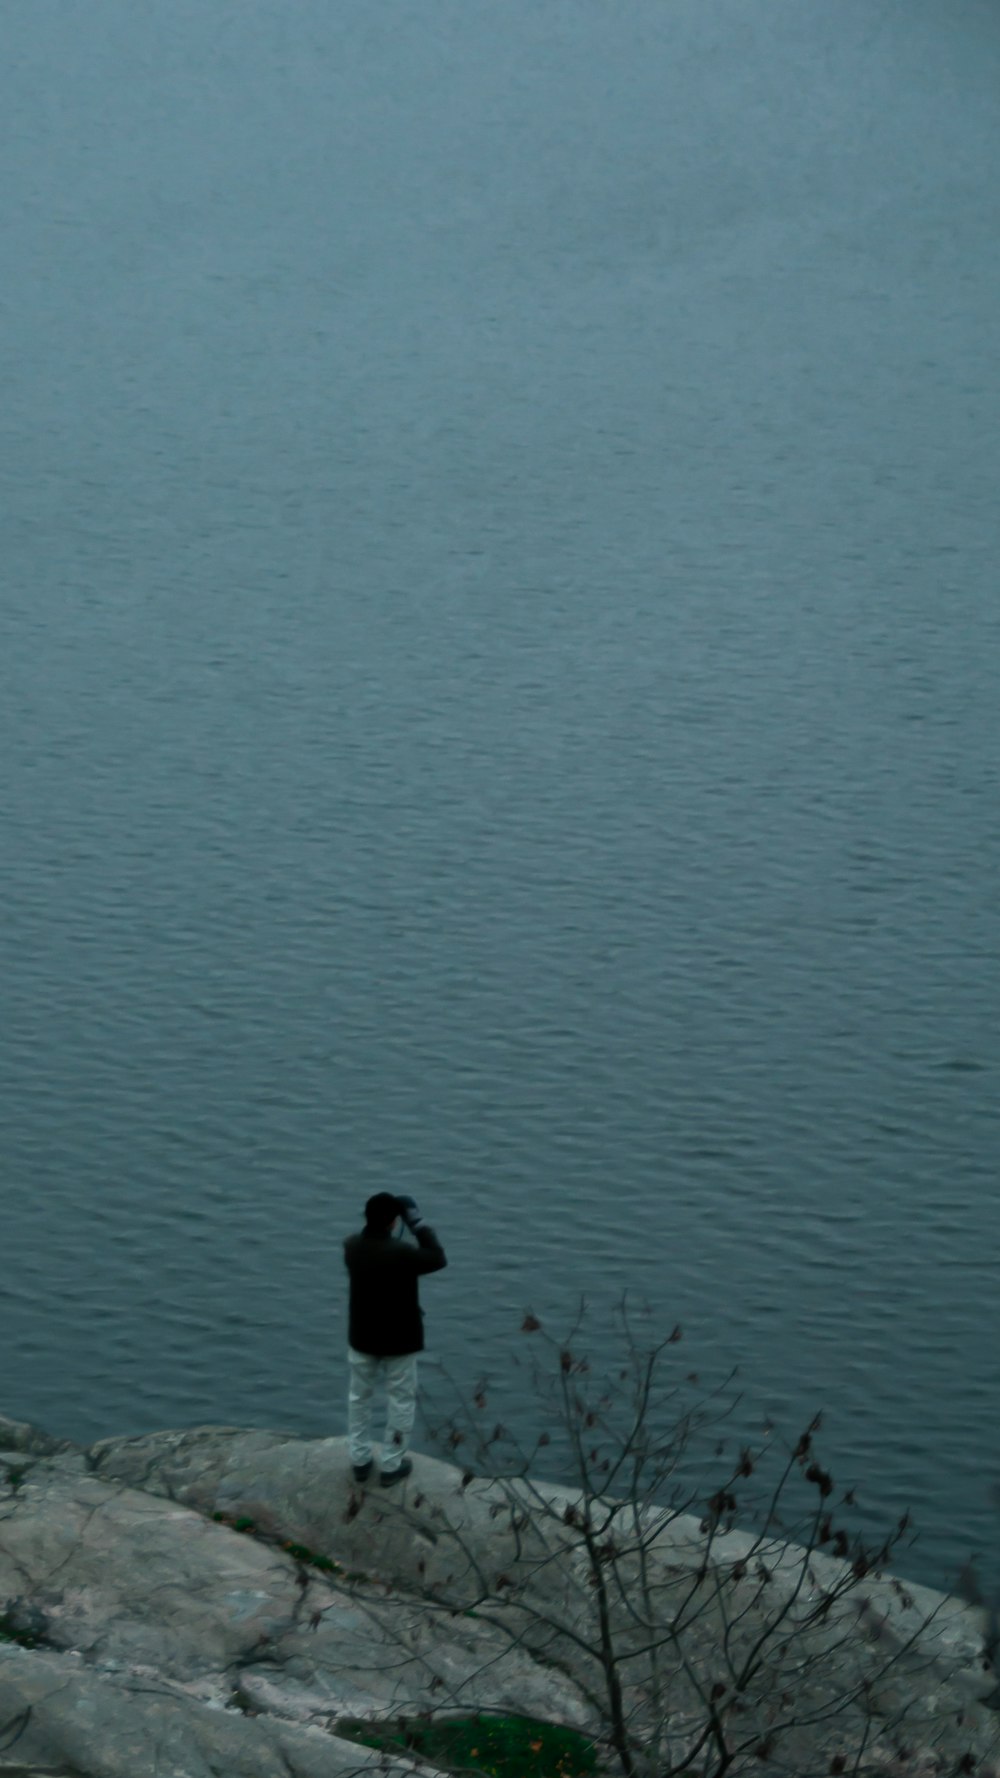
<point>362,1471</point>
<point>396,1475</point>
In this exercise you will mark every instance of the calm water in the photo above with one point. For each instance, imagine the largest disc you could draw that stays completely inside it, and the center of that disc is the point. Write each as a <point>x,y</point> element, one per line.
<point>499,649</point>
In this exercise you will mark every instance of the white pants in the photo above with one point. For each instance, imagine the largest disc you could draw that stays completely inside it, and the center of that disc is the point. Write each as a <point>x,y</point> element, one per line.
<point>400,1376</point>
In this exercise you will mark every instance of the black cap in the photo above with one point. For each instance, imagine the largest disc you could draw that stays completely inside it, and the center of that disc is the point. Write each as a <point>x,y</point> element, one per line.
<point>381,1212</point>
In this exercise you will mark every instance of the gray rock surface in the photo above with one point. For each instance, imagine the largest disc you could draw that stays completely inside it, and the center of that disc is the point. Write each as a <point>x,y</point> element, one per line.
<point>144,1634</point>
<point>61,1718</point>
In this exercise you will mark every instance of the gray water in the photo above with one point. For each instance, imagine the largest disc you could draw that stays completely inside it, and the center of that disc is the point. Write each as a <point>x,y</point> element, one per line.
<point>498,699</point>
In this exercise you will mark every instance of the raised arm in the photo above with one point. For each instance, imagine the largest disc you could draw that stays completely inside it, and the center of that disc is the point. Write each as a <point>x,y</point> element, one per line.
<point>430,1256</point>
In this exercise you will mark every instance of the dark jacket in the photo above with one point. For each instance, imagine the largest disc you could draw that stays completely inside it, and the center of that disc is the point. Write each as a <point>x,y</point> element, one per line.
<point>385,1319</point>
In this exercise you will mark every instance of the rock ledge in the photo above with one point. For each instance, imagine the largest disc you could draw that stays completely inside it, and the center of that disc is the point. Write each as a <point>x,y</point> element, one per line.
<point>142,1633</point>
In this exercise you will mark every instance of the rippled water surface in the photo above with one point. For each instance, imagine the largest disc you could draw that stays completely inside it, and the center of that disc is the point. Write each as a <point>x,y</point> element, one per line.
<point>499,649</point>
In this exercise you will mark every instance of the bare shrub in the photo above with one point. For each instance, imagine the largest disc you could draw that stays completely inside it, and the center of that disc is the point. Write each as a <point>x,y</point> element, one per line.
<point>727,1627</point>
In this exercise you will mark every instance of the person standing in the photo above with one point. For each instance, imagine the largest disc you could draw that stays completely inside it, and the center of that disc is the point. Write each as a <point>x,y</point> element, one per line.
<point>386,1329</point>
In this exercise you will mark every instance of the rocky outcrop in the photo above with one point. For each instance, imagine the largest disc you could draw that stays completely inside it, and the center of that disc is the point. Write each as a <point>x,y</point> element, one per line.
<point>139,1635</point>
<point>219,1601</point>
